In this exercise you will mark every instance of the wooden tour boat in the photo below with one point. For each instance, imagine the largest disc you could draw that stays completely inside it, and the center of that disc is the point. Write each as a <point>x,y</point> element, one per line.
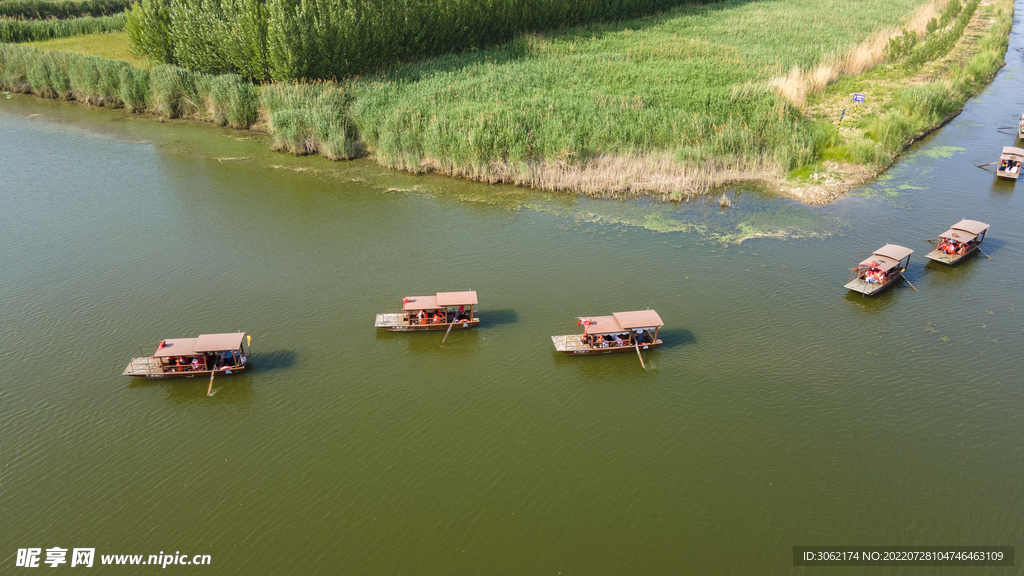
<point>1010,163</point>
<point>884,268</point>
<point>187,357</point>
<point>1020,128</point>
<point>620,332</point>
<point>445,311</point>
<point>960,241</point>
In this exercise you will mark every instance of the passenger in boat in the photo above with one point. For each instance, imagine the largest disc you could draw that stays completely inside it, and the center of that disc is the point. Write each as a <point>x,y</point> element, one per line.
<point>640,336</point>
<point>195,363</point>
<point>462,313</point>
<point>421,317</point>
<point>437,318</point>
<point>1002,166</point>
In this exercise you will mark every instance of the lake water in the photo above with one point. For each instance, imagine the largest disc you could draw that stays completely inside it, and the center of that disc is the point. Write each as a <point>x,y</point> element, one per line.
<point>781,410</point>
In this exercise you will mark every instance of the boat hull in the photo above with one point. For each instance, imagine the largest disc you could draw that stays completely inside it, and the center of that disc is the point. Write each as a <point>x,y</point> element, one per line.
<point>1007,175</point>
<point>571,344</point>
<point>148,368</point>
<point>395,323</point>
<point>949,259</point>
<point>868,289</point>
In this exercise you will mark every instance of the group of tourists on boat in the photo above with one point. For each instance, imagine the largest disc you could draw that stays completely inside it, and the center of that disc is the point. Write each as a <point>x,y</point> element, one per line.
<point>1009,166</point>
<point>612,340</point>
<point>950,246</point>
<point>436,316</point>
<point>875,275</point>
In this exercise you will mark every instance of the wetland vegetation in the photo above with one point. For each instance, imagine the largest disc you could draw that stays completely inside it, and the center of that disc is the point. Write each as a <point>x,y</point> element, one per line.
<point>668,105</point>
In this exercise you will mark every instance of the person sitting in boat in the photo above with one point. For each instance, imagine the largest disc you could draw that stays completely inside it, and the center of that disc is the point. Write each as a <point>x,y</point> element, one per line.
<point>421,317</point>
<point>462,314</point>
<point>195,363</point>
<point>1002,166</point>
<point>437,318</point>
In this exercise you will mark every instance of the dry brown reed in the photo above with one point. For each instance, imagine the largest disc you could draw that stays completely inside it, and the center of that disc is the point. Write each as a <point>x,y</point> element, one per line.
<point>799,83</point>
<point>611,176</point>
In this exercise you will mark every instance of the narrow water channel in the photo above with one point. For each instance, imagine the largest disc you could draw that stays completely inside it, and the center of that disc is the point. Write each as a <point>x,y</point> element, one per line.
<point>781,411</point>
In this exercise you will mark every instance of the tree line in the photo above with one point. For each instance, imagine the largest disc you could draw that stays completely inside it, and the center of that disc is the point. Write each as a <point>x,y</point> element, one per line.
<point>287,40</point>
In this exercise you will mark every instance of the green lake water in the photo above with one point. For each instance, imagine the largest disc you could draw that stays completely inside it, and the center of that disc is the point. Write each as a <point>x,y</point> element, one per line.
<point>781,410</point>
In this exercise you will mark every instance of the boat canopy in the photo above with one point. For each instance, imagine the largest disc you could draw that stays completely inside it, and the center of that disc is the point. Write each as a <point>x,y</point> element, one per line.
<point>420,303</point>
<point>601,324</point>
<point>1012,153</point>
<point>467,298</point>
<point>176,347</point>
<point>204,343</point>
<point>887,257</point>
<point>639,319</point>
<point>965,230</point>
<point>894,251</point>
<point>441,300</point>
<point>219,342</point>
<point>622,322</point>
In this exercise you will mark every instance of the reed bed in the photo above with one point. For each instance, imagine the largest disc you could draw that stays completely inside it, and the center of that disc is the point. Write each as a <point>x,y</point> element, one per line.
<point>169,91</point>
<point>46,9</point>
<point>12,30</point>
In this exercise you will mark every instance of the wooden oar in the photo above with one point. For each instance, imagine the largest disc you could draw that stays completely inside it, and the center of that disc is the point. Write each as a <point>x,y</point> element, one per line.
<point>908,282</point>
<point>641,357</point>
<point>449,329</point>
<point>986,255</point>
<point>210,389</point>
<point>989,164</point>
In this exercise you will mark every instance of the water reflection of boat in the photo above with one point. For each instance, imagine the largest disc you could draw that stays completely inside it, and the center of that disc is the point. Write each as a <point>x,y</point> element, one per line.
<point>960,241</point>
<point>1010,163</point>
<point>187,357</point>
<point>620,332</point>
<point>884,268</point>
<point>445,311</point>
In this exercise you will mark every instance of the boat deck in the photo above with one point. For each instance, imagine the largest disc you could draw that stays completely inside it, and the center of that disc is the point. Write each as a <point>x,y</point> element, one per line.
<point>390,321</point>
<point>569,343</point>
<point>869,289</point>
<point>143,367</point>
<point>573,344</point>
<point>940,256</point>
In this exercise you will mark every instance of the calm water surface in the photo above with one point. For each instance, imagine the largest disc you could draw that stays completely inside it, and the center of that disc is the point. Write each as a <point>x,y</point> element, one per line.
<point>781,411</point>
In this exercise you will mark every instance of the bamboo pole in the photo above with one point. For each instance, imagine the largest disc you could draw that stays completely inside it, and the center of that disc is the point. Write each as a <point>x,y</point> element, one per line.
<point>986,255</point>
<point>908,282</point>
<point>637,344</point>
<point>449,327</point>
<point>210,389</point>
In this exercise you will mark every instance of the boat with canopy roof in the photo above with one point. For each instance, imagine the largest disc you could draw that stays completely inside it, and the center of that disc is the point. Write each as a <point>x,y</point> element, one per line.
<point>188,357</point>
<point>1010,163</point>
<point>620,332</point>
<point>960,241</point>
<point>881,270</point>
<point>443,311</point>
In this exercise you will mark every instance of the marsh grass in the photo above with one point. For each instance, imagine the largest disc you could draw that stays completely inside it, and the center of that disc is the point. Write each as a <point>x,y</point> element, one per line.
<point>165,90</point>
<point>44,9</point>
<point>12,30</point>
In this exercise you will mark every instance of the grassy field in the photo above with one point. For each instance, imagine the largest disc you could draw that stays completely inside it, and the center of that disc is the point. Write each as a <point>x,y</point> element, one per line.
<point>113,45</point>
